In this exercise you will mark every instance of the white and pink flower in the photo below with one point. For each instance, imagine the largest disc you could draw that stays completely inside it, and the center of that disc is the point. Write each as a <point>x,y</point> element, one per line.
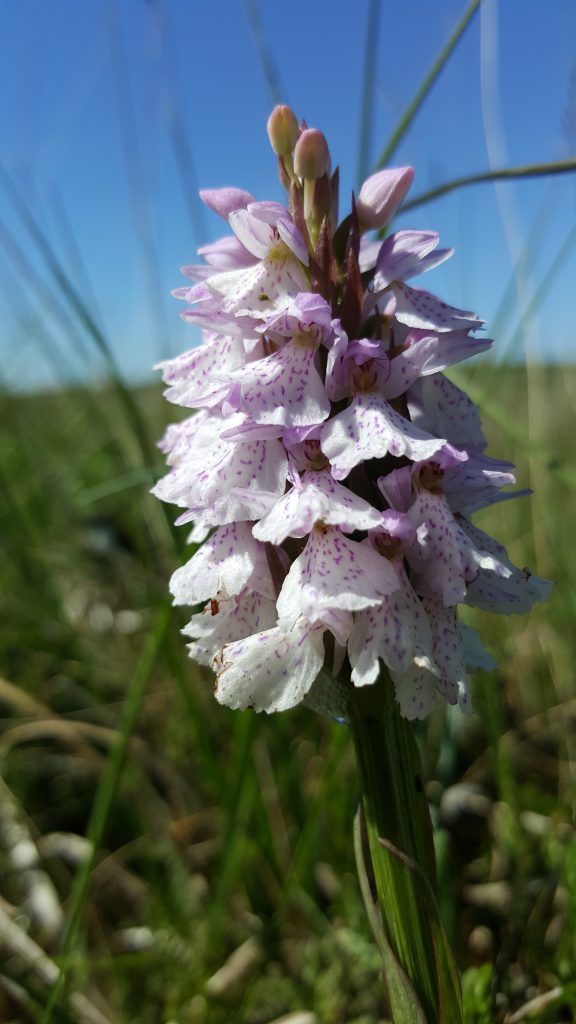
<point>331,468</point>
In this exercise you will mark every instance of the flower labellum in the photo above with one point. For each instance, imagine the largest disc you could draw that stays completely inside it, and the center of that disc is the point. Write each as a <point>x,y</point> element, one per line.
<point>329,466</point>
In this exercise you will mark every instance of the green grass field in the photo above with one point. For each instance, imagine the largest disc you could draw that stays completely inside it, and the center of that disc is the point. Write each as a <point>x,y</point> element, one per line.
<point>178,862</point>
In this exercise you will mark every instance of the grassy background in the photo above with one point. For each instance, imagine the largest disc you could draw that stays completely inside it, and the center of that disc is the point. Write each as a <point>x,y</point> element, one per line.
<point>219,883</point>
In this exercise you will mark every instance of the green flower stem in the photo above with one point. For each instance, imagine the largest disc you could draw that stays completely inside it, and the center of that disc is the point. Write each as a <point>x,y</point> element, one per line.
<point>421,978</point>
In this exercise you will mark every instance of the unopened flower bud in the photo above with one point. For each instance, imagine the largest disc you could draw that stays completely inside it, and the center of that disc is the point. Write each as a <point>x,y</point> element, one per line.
<point>282,130</point>
<point>311,155</point>
<point>381,195</point>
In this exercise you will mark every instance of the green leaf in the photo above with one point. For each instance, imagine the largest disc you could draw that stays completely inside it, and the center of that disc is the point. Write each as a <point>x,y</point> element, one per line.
<point>410,932</point>
<point>449,997</point>
<point>402,998</point>
<point>477,992</point>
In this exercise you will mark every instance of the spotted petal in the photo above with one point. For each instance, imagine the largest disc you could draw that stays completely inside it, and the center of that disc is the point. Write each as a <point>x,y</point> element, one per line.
<point>317,496</point>
<point>284,388</point>
<point>416,689</point>
<point>226,619</point>
<point>448,650</point>
<point>271,670</point>
<point>417,308</point>
<point>191,376</point>
<point>513,594</point>
<point>438,405</point>
<point>227,562</point>
<point>257,291</point>
<point>369,428</point>
<point>407,253</point>
<point>204,479</point>
<point>396,631</point>
<point>333,573</point>
<point>445,559</point>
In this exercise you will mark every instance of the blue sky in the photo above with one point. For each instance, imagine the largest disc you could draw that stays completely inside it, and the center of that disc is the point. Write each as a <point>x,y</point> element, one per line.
<point>115,111</point>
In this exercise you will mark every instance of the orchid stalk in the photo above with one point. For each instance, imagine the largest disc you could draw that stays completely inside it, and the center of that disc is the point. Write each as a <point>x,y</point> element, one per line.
<point>330,470</point>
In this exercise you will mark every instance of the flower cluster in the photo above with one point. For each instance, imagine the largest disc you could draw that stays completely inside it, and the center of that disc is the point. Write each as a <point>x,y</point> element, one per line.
<point>330,468</point>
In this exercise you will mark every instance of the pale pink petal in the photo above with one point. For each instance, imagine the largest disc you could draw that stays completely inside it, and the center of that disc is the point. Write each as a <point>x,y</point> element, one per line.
<point>255,235</point>
<point>478,483</point>
<point>224,200</point>
<point>272,670</point>
<point>306,309</point>
<point>205,476</point>
<point>381,195</point>
<point>439,406</point>
<point>260,290</point>
<point>291,237</point>
<point>405,254</point>
<point>191,376</point>
<point>337,383</point>
<point>418,308</point>
<point>268,211</point>
<point>416,690</point>
<point>396,632</point>
<point>318,497</point>
<point>514,594</point>
<point>445,559</point>
<point>397,488</point>
<point>202,428</point>
<point>368,256</point>
<point>333,572</point>
<point>369,428</point>
<point>226,253</point>
<point>226,619</point>
<point>429,356</point>
<point>448,653</point>
<point>284,388</point>
<point>228,561</point>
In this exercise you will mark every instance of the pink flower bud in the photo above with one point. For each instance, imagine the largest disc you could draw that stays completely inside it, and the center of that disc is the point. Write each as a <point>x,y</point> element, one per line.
<point>225,200</point>
<point>381,195</point>
<point>311,155</point>
<point>282,130</point>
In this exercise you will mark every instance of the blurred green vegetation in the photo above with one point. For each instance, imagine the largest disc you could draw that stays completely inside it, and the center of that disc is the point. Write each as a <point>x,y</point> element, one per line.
<point>220,885</point>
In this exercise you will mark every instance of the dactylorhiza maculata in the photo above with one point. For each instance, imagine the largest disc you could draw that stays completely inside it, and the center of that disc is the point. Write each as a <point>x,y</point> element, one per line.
<point>330,468</point>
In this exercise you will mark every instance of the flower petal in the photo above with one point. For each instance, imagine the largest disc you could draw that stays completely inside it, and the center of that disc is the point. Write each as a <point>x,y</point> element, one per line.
<point>439,406</point>
<point>318,496</point>
<point>272,670</point>
<point>396,632</point>
<point>417,308</point>
<point>369,428</point>
<point>333,572</point>
<point>225,620</point>
<point>284,388</point>
<point>227,562</point>
<point>224,200</point>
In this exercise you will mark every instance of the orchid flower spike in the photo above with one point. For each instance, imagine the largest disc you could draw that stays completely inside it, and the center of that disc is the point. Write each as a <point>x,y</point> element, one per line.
<point>329,466</point>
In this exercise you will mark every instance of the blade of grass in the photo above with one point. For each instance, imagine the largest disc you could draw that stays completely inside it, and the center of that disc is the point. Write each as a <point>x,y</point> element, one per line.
<point>176,125</point>
<point>139,196</point>
<point>275,87</point>
<point>83,315</point>
<point>501,174</point>
<point>241,785</point>
<point>71,248</point>
<point>75,302</point>
<point>421,94</point>
<point>104,799</point>
<point>368,88</point>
